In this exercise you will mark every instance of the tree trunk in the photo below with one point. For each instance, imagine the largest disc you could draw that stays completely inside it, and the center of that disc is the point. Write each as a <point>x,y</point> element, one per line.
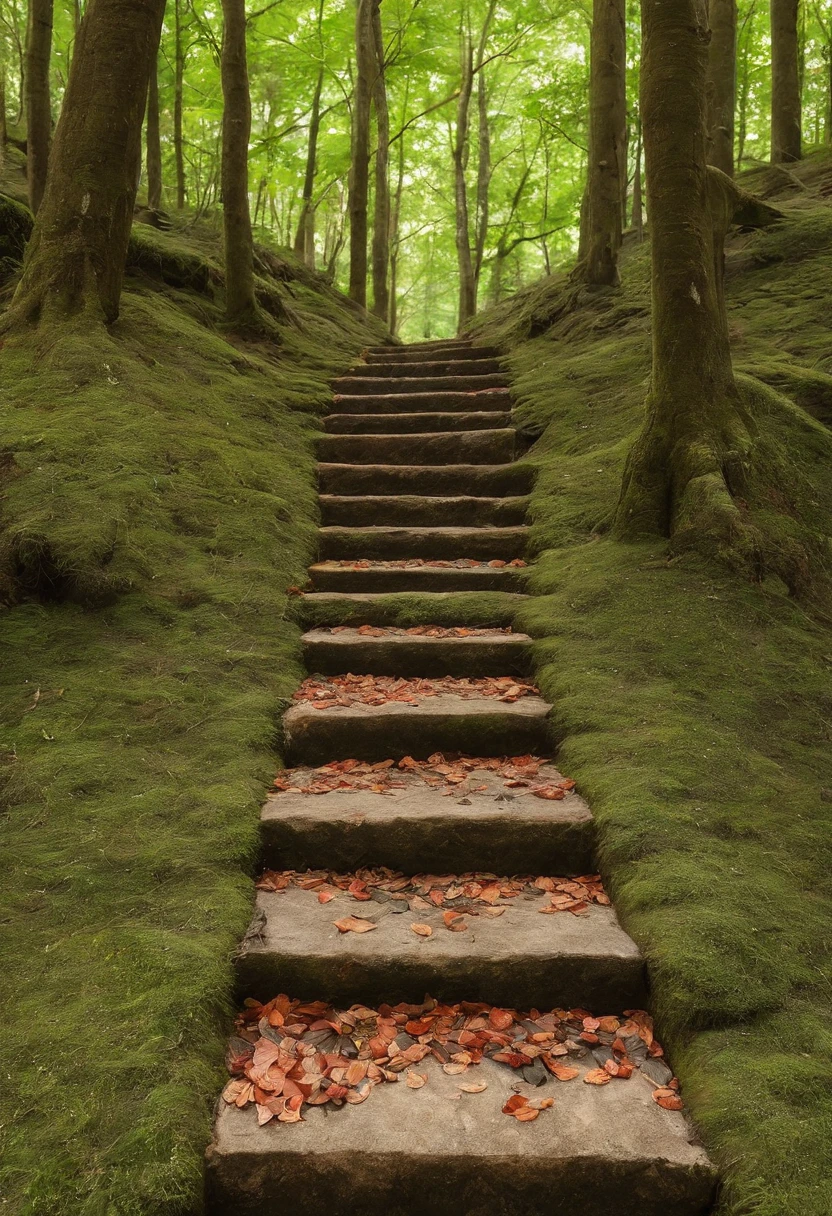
<point>686,464</point>
<point>305,235</point>
<point>75,258</point>
<point>38,103</point>
<point>178,86</point>
<point>3,119</point>
<point>638,187</point>
<point>785,82</point>
<point>607,141</point>
<point>360,175</point>
<point>467,285</point>
<point>483,179</point>
<point>381,216</point>
<point>240,304</point>
<point>395,240</point>
<point>722,84</point>
<point>827,134</point>
<point>154,142</point>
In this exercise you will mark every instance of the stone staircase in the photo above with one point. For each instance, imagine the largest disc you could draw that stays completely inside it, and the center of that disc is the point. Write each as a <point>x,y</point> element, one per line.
<point>417,462</point>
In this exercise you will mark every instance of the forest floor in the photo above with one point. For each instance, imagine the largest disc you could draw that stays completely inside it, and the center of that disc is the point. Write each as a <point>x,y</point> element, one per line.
<point>149,650</point>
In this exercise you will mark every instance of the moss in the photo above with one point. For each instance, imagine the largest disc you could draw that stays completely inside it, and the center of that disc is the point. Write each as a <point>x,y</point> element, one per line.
<point>694,704</point>
<point>158,501</point>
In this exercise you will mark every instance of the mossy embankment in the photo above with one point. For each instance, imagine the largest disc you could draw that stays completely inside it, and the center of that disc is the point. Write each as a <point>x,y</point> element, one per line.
<point>696,706</point>
<point>158,501</point>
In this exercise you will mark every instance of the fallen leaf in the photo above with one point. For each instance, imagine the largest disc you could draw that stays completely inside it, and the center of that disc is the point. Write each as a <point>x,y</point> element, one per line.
<point>354,924</point>
<point>415,1080</point>
<point>668,1099</point>
<point>597,1076</point>
<point>422,930</point>
<point>473,1087</point>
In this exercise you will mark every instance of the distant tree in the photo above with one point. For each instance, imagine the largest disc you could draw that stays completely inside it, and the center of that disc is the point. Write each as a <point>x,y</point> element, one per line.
<point>381,214</point>
<point>786,118</point>
<point>240,303</point>
<point>178,91</point>
<point>37,98</point>
<point>722,84</point>
<point>76,255</point>
<point>686,466</point>
<point>153,141</point>
<point>359,193</point>
<point>305,236</point>
<point>607,168</point>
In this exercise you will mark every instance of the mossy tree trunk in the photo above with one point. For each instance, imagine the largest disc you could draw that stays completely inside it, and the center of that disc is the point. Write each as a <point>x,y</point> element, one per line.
<point>178,89</point>
<point>38,101</point>
<point>686,464</point>
<point>786,117</point>
<point>75,259</point>
<point>722,84</point>
<point>240,303</point>
<point>154,141</point>
<point>607,168</point>
<point>381,214</point>
<point>360,170</point>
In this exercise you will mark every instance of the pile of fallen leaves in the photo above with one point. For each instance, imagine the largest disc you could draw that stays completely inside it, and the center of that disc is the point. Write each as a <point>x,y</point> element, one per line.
<point>288,1054</point>
<point>418,631</point>
<point>408,563</point>
<point>332,692</point>
<point>472,894</point>
<point>520,774</point>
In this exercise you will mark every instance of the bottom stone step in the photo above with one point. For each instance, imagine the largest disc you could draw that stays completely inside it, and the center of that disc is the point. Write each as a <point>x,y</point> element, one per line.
<point>438,1151</point>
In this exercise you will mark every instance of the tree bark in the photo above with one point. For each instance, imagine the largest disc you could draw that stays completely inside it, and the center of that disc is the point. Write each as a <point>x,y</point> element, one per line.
<point>75,258</point>
<point>3,119</point>
<point>638,185</point>
<point>305,235</point>
<point>178,88</point>
<point>607,142</point>
<point>360,175</point>
<point>240,303</point>
<point>461,152</point>
<point>381,215</point>
<point>395,240</point>
<point>722,84</point>
<point>483,178</point>
<point>686,464</point>
<point>154,141</point>
<point>785,82</point>
<point>38,102</point>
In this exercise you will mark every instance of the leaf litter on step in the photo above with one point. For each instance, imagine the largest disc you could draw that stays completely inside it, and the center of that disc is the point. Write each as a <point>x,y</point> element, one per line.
<point>337,692</point>
<point>289,1054</point>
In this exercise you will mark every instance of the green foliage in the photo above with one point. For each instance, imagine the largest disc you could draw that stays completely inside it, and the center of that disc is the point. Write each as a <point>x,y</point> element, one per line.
<point>158,501</point>
<point>695,707</point>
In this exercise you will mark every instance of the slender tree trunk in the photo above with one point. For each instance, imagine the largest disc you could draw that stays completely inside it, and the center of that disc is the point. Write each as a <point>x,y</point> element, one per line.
<point>305,235</point>
<point>360,175</point>
<point>638,187</point>
<point>461,151</point>
<point>395,228</point>
<point>722,84</point>
<point>75,258</point>
<point>686,464</point>
<point>240,303</point>
<point>38,103</point>
<point>785,82</point>
<point>178,88</point>
<point>3,120</point>
<point>154,142</point>
<point>483,179</point>
<point>381,216</point>
<point>607,142</point>
<point>827,133</point>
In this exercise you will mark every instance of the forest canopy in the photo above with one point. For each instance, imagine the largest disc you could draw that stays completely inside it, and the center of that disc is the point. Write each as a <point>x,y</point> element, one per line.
<point>526,150</point>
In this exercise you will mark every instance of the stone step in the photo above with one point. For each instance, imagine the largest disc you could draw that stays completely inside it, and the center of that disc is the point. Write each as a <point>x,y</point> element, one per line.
<point>410,424</point>
<point>451,447</point>
<point>416,828</point>
<point>430,352</point>
<point>520,959</point>
<point>402,402</point>
<point>444,366</point>
<point>448,723</point>
<point>360,384</point>
<point>404,654</point>
<point>608,1151</point>
<point>330,576</point>
<point>361,510</point>
<point>476,608</point>
<point>459,480</point>
<point>388,544</point>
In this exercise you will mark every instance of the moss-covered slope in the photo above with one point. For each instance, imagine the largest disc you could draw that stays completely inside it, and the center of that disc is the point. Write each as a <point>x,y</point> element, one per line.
<point>158,501</point>
<point>696,707</point>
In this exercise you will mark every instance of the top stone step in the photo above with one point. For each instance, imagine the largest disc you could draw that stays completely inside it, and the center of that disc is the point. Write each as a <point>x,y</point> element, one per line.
<point>430,351</point>
<point>429,367</point>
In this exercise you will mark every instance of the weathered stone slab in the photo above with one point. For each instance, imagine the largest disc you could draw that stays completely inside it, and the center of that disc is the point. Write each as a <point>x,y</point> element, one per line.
<point>408,1152</point>
<point>475,366</point>
<point>415,424</point>
<point>364,382</point>
<point>470,480</point>
<point>468,447</point>
<point>328,576</point>
<point>481,726</point>
<point>398,398</point>
<point>416,655</point>
<point>418,510</point>
<point>390,544</point>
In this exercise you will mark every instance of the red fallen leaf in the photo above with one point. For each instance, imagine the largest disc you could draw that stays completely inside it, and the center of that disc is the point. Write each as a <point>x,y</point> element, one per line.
<point>597,1076</point>
<point>354,924</point>
<point>454,921</point>
<point>415,1080</point>
<point>562,1072</point>
<point>419,1027</point>
<point>422,930</point>
<point>542,1103</point>
<point>512,1058</point>
<point>589,1036</point>
<point>551,792</point>
<point>668,1099</point>
<point>608,1025</point>
<point>515,1102</point>
<point>294,591</point>
<point>526,1114</point>
<point>358,890</point>
<point>501,1019</point>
